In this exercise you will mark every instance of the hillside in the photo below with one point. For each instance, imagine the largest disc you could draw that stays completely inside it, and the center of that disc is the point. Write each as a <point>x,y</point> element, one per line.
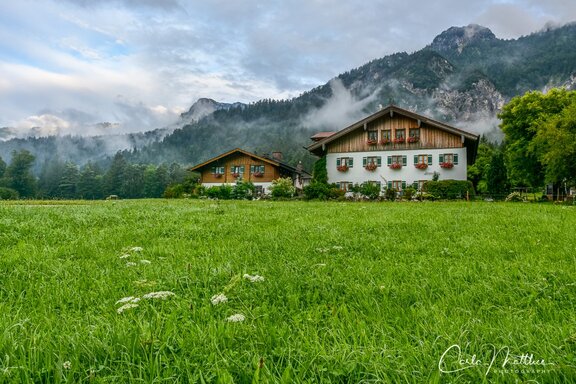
<point>463,77</point>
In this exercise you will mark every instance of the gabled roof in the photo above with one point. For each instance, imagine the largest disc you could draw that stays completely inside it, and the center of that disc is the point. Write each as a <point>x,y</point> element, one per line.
<point>390,110</point>
<point>264,159</point>
<point>322,135</point>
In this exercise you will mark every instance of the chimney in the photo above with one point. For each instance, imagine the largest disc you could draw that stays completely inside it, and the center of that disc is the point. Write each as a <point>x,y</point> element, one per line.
<point>277,156</point>
<point>299,167</point>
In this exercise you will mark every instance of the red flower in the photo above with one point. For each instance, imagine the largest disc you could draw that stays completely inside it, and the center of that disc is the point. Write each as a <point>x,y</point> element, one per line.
<point>396,165</point>
<point>421,165</point>
<point>384,141</point>
<point>342,168</point>
<point>371,142</point>
<point>413,139</point>
<point>234,174</point>
<point>371,166</point>
<point>217,175</point>
<point>257,174</point>
<point>399,140</point>
<point>447,165</point>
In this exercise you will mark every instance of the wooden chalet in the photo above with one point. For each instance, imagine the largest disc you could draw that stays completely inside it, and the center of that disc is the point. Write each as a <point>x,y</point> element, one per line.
<point>260,170</point>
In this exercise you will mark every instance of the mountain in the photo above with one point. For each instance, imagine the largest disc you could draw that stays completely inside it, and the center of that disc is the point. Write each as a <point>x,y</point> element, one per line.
<point>464,77</point>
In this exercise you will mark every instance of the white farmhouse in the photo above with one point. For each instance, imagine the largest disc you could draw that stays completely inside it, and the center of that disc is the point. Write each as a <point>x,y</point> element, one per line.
<point>395,148</point>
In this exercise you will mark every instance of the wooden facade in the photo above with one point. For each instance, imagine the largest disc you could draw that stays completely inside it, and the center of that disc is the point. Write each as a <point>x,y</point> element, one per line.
<point>379,132</point>
<point>237,164</point>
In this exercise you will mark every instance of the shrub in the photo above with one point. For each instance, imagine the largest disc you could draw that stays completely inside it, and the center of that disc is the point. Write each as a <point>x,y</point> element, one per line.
<point>8,194</point>
<point>371,191</point>
<point>409,193</point>
<point>390,194</point>
<point>243,190</point>
<point>515,197</point>
<point>223,192</point>
<point>174,191</point>
<point>322,191</point>
<point>282,188</point>
<point>449,189</point>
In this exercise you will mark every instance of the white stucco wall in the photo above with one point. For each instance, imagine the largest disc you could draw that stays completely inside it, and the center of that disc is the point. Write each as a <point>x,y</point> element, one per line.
<point>409,173</point>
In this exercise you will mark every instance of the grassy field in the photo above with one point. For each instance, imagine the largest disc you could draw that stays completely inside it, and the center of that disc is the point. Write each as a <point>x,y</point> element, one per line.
<point>351,292</point>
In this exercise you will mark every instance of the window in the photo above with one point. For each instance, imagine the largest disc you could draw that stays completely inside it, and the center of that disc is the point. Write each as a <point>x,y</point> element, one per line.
<point>376,183</point>
<point>448,158</point>
<point>373,136</point>
<point>217,170</point>
<point>397,185</point>
<point>345,162</point>
<point>344,186</point>
<point>423,159</point>
<point>258,190</point>
<point>237,170</point>
<point>257,169</point>
<point>418,184</point>
<point>401,133</point>
<point>386,136</point>
<point>414,132</point>
<point>372,162</point>
<point>397,159</point>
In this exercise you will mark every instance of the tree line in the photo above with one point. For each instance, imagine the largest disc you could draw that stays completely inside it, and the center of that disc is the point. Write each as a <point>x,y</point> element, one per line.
<point>66,180</point>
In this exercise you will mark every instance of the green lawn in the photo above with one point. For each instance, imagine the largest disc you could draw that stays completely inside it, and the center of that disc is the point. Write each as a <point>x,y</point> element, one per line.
<point>352,292</point>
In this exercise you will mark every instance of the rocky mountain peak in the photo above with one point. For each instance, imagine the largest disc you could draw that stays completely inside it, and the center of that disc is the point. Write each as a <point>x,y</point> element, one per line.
<point>204,107</point>
<point>457,38</point>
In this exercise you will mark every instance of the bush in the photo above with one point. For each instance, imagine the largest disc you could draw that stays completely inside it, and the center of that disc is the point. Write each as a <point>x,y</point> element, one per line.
<point>409,193</point>
<point>391,194</point>
<point>282,188</point>
<point>222,192</point>
<point>515,197</point>
<point>371,191</point>
<point>174,191</point>
<point>8,194</point>
<point>322,191</point>
<point>243,190</point>
<point>449,189</point>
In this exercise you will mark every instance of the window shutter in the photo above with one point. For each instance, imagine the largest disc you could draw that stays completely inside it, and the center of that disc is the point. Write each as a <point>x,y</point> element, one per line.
<point>403,185</point>
<point>262,168</point>
<point>456,159</point>
<point>364,161</point>
<point>390,185</point>
<point>251,169</point>
<point>404,160</point>
<point>379,161</point>
<point>415,159</point>
<point>389,160</point>
<point>338,162</point>
<point>415,185</point>
<point>241,169</point>
<point>441,158</point>
<point>429,159</point>
<point>350,162</point>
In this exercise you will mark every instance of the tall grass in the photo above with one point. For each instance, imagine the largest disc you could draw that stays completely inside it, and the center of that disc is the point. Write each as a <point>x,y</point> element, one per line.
<point>352,292</point>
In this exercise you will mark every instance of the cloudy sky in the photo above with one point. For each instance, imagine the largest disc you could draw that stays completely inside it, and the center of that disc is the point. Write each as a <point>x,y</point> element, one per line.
<point>66,65</point>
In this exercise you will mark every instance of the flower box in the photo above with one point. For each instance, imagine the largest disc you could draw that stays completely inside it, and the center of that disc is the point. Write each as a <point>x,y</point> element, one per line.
<point>371,167</point>
<point>447,165</point>
<point>342,168</point>
<point>372,142</point>
<point>399,140</point>
<point>258,174</point>
<point>396,165</point>
<point>413,139</point>
<point>421,165</point>
<point>217,175</point>
<point>385,141</point>
<point>235,175</point>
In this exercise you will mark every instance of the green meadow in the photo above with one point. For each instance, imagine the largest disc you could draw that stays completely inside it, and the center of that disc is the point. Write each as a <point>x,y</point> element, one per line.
<point>291,292</point>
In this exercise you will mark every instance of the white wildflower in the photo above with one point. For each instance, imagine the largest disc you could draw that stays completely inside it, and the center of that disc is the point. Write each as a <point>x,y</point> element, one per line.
<point>125,256</point>
<point>253,279</point>
<point>158,295</point>
<point>67,365</point>
<point>337,247</point>
<point>236,318</point>
<point>131,264</point>
<point>129,299</point>
<point>136,249</point>
<point>144,261</point>
<point>219,298</point>
<point>126,306</point>
<point>319,265</point>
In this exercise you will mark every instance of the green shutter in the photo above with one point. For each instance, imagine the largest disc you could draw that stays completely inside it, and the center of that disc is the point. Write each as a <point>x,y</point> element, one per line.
<point>251,169</point>
<point>415,159</point>
<point>350,162</point>
<point>364,161</point>
<point>404,160</point>
<point>429,159</point>
<point>379,161</point>
<point>456,159</point>
<point>338,162</point>
<point>241,169</point>
<point>389,160</point>
<point>403,185</point>
<point>441,159</point>
<point>389,185</point>
<point>415,185</point>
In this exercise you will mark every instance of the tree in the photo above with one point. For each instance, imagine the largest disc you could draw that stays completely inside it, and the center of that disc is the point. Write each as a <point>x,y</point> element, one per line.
<point>282,188</point>
<point>497,180</point>
<point>68,184</point>
<point>114,178</point>
<point>556,140</point>
<point>19,174</point>
<point>50,176</point>
<point>90,183</point>
<point>521,119</point>
<point>2,167</point>
<point>478,172</point>
<point>320,173</point>
<point>133,183</point>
